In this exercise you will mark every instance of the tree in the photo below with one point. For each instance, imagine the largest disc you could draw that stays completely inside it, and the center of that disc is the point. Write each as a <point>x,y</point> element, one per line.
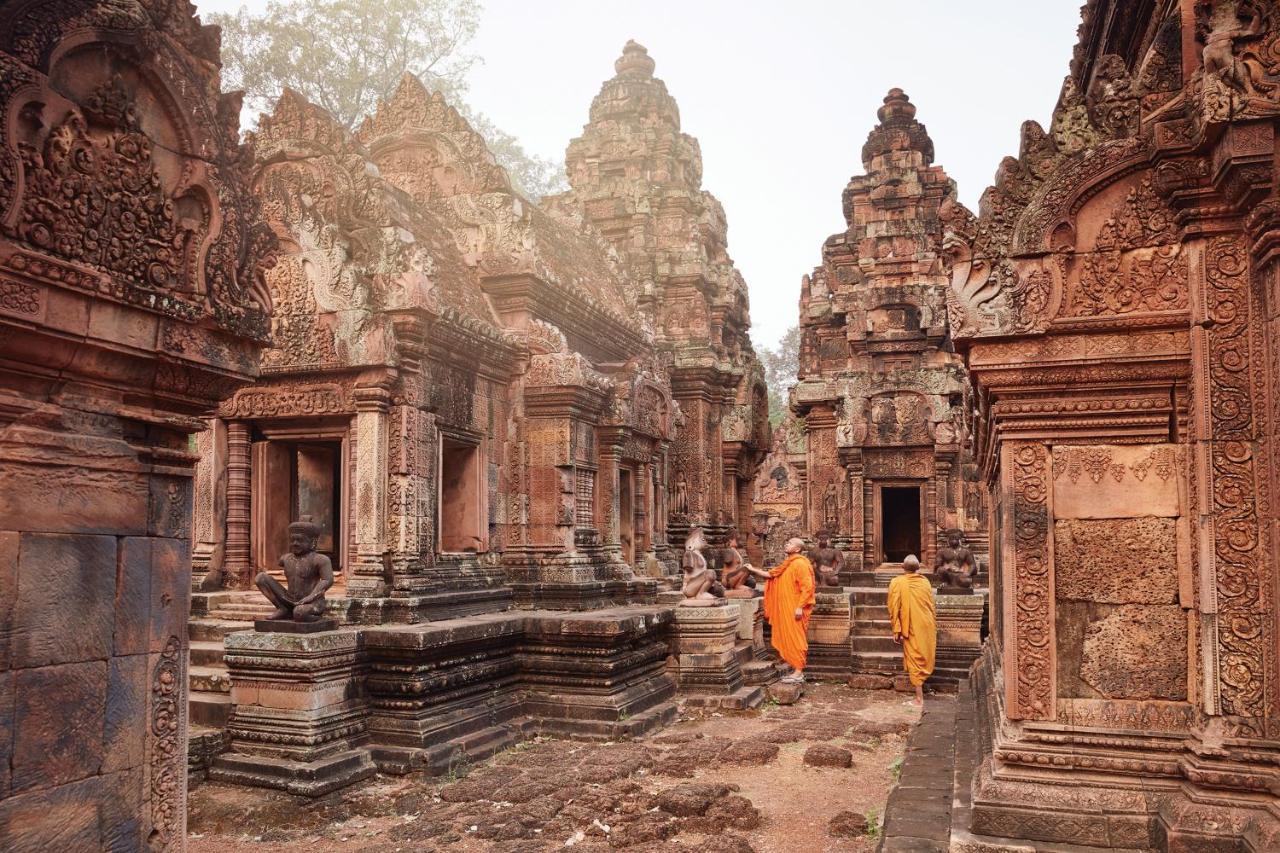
<point>781,364</point>
<point>345,55</point>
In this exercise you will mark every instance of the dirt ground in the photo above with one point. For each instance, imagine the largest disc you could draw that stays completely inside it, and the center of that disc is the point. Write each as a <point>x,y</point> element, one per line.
<point>713,781</point>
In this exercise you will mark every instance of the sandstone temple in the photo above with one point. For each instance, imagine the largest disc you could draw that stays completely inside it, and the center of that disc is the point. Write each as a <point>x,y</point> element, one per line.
<point>516,432</point>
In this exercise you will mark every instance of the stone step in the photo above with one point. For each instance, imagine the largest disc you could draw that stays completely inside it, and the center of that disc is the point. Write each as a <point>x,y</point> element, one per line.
<point>877,662</point>
<point>882,643</point>
<point>207,653</point>
<point>214,630</point>
<point>864,596</point>
<point>208,679</point>
<point>241,613</point>
<point>207,708</point>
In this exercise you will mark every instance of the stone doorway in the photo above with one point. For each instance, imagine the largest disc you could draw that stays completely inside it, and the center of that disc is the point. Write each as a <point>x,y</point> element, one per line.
<point>292,480</point>
<point>626,516</point>
<point>899,523</point>
<point>461,516</point>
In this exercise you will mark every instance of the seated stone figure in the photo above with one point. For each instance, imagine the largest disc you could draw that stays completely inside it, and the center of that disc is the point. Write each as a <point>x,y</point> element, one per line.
<point>955,566</point>
<point>735,575</point>
<point>308,574</point>
<point>827,562</point>
<point>699,585</point>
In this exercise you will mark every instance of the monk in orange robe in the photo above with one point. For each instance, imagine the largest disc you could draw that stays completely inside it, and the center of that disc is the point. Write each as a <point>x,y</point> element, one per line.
<point>915,623</point>
<point>788,601</point>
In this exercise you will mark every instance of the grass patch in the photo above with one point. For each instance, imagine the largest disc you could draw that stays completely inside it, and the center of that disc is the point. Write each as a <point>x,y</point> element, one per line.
<point>874,827</point>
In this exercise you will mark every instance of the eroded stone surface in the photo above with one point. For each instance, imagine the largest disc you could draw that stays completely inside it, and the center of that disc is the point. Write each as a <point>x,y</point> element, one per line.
<point>1137,652</point>
<point>1117,561</point>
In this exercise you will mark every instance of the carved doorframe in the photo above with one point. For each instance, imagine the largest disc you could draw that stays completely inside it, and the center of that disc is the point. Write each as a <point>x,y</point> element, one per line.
<point>877,528</point>
<point>328,430</point>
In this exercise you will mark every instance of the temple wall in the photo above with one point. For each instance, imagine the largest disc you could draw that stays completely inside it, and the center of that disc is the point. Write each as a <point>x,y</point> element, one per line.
<point>131,255</point>
<point>1112,304</point>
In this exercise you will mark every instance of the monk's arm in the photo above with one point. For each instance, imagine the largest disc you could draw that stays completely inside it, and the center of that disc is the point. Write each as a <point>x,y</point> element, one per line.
<point>895,611</point>
<point>806,587</point>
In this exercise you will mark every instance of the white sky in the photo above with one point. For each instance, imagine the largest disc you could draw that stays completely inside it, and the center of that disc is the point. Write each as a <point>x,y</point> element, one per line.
<point>781,101</point>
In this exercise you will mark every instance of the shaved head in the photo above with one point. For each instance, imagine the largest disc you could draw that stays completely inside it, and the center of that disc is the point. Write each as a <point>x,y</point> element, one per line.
<point>911,563</point>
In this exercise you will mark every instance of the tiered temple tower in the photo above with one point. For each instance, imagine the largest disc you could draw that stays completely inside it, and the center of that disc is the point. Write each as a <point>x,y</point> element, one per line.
<point>881,390</point>
<point>638,179</point>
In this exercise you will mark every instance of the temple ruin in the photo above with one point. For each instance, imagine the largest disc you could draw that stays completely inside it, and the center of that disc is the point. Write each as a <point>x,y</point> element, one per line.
<point>508,422</point>
<point>132,300</point>
<point>882,394</point>
<point>1114,299</point>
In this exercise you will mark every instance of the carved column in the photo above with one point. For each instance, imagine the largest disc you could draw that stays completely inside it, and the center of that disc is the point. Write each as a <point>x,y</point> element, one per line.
<point>856,544</point>
<point>1236,587</point>
<point>1027,550</point>
<point>369,574</point>
<point>239,495</point>
<point>411,496</point>
<point>607,496</point>
<point>209,504</point>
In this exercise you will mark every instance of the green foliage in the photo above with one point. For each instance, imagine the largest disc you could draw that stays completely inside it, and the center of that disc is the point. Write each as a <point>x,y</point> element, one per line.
<point>874,827</point>
<point>781,364</point>
<point>344,55</point>
<point>896,768</point>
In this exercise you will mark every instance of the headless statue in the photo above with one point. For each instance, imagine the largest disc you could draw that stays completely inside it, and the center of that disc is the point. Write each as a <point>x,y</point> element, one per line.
<point>955,567</point>
<point>699,585</point>
<point>735,575</point>
<point>308,574</point>
<point>828,562</point>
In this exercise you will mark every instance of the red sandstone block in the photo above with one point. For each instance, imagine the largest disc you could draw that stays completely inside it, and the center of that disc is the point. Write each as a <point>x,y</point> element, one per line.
<point>170,590</point>
<point>127,690</point>
<point>58,724</point>
<point>8,591</point>
<point>133,597</point>
<point>66,594</point>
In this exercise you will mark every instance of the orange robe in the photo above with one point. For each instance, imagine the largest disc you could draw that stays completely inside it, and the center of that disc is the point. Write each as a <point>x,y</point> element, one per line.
<point>912,613</point>
<point>790,586</point>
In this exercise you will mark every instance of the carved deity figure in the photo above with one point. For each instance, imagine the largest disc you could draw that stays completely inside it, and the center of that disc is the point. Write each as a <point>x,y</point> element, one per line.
<point>735,575</point>
<point>699,583</point>
<point>681,497</point>
<point>1241,73</point>
<point>827,561</point>
<point>831,507</point>
<point>956,565</point>
<point>308,574</point>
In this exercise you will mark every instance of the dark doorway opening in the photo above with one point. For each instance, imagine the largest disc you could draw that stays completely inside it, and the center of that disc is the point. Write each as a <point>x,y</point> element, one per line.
<point>899,522</point>
<point>460,517</point>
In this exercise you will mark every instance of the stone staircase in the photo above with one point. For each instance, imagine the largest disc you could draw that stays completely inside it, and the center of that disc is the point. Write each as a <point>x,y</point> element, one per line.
<point>874,651</point>
<point>875,654</point>
<point>214,615</point>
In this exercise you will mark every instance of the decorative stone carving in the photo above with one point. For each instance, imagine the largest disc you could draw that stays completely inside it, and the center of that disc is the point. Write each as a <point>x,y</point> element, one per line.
<point>132,302</point>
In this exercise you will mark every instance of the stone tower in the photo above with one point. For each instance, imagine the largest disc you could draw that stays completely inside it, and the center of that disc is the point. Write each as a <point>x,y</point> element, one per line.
<point>638,180</point>
<point>882,392</point>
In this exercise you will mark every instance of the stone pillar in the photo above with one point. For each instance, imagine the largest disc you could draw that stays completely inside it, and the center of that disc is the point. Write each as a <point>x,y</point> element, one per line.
<point>209,504</point>
<point>239,495</point>
<point>830,623</point>
<point>411,497</point>
<point>854,549</point>
<point>1026,551</point>
<point>369,490</point>
<point>298,720</point>
<point>959,635</point>
<point>707,670</point>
